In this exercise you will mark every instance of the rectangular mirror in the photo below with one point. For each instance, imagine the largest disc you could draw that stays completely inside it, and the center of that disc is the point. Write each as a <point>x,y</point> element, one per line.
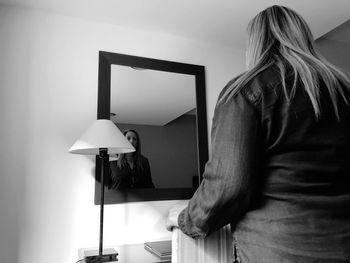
<point>162,104</point>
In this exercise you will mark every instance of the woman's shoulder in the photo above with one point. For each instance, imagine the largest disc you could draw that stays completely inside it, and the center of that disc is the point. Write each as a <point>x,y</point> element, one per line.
<point>264,84</point>
<point>229,86</point>
<point>143,158</point>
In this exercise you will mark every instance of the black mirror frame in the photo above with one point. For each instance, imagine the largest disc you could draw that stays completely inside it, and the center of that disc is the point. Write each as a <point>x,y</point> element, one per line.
<point>106,59</point>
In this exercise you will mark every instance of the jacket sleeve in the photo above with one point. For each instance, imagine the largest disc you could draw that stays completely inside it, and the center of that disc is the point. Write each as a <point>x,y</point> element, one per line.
<point>115,177</point>
<point>148,176</point>
<point>227,186</point>
<point>119,177</point>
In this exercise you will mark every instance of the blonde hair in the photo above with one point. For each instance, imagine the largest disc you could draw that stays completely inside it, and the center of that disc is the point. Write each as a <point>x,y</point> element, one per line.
<point>279,36</point>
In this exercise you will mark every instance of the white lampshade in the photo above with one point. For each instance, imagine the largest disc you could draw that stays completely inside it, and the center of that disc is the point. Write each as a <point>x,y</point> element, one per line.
<point>102,134</point>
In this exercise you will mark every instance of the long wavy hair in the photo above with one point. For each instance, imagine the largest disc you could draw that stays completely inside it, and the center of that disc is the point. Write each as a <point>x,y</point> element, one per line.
<point>281,37</point>
<point>136,156</point>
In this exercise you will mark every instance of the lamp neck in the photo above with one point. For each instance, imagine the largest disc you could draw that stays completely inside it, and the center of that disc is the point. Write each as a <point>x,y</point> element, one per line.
<point>103,152</point>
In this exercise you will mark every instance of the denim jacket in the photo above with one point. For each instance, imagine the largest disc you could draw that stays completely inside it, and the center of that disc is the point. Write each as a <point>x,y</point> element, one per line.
<point>277,174</point>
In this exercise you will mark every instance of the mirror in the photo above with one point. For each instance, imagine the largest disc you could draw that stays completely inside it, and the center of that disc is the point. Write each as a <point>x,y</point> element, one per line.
<point>164,102</point>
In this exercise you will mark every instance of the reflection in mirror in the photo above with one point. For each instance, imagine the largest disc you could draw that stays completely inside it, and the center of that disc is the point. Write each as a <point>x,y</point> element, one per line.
<point>164,103</point>
<point>161,108</point>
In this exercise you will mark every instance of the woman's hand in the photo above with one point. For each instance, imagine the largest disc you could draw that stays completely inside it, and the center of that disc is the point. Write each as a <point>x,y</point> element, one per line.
<point>174,212</point>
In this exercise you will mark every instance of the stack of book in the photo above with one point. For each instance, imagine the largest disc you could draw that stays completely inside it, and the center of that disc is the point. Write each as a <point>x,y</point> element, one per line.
<point>162,249</point>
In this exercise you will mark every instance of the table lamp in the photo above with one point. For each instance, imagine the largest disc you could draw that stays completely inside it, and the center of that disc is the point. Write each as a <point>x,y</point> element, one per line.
<point>102,138</point>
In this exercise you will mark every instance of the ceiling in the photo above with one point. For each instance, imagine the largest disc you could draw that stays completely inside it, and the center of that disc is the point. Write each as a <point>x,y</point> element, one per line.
<point>150,97</point>
<point>219,21</point>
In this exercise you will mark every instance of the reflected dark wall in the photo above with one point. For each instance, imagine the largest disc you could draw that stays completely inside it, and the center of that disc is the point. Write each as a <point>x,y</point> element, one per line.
<point>171,150</point>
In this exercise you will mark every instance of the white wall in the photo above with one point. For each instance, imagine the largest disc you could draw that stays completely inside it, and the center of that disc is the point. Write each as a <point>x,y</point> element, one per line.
<point>48,83</point>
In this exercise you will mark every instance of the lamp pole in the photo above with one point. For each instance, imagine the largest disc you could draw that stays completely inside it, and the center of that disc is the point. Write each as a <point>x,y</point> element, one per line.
<point>103,156</point>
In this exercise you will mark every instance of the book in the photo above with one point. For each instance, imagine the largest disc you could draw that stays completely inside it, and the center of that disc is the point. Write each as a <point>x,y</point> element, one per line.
<point>162,249</point>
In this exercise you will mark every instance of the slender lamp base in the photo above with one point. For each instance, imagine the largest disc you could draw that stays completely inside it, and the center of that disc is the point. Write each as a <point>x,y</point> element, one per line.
<point>93,256</point>
<point>103,258</point>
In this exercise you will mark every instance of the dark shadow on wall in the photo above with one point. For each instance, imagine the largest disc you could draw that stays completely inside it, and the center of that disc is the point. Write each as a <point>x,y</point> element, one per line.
<point>335,46</point>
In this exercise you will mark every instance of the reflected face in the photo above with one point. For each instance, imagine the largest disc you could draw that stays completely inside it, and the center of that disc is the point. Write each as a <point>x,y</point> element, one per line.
<point>132,138</point>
